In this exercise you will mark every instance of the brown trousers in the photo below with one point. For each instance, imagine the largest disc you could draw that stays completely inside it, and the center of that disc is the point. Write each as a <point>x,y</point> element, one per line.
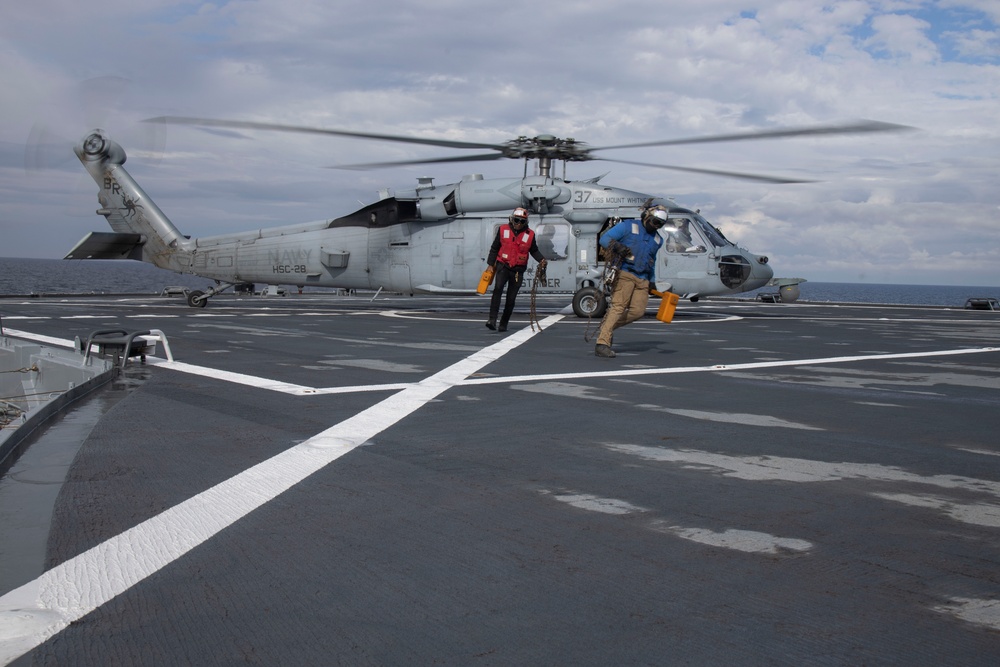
<point>628,304</point>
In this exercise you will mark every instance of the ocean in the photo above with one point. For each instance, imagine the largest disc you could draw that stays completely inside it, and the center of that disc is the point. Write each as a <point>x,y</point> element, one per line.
<point>58,276</point>
<point>65,276</point>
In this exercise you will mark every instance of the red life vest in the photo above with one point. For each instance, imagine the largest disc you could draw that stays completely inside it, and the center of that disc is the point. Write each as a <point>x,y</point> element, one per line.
<point>514,247</point>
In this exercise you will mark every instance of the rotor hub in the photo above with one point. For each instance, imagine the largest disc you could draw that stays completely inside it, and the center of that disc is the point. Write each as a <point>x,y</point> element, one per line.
<point>546,146</point>
<point>95,144</point>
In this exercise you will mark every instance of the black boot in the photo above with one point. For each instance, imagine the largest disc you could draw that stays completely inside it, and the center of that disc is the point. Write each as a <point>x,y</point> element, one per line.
<point>491,324</point>
<point>503,326</point>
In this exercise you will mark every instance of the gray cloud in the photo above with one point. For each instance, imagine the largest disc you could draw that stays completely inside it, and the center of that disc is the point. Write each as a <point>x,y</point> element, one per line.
<point>634,71</point>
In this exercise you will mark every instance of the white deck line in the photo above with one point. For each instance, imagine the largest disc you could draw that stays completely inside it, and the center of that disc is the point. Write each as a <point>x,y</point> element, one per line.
<point>302,390</point>
<point>624,372</point>
<point>34,612</point>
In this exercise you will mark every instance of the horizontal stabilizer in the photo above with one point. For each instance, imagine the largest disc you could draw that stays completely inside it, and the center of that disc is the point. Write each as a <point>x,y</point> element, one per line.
<point>108,245</point>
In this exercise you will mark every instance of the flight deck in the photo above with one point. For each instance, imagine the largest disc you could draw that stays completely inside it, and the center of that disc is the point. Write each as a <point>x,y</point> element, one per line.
<point>322,479</point>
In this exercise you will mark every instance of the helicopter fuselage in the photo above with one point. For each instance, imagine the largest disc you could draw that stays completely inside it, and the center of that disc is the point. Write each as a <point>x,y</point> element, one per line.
<point>431,239</point>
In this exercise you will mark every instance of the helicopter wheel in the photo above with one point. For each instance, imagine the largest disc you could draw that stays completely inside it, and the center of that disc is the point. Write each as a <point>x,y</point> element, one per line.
<point>195,301</point>
<point>589,302</point>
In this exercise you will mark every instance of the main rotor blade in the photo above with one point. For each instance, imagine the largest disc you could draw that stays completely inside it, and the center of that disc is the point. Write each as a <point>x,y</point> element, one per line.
<point>715,172</point>
<point>250,125</point>
<point>862,127</point>
<point>376,165</point>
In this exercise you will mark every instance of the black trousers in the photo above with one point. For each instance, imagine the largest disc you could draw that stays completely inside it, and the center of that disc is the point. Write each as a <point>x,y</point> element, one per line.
<point>509,278</point>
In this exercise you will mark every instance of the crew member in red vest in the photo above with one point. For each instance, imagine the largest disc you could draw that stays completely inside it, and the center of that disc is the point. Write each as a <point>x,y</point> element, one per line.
<point>509,253</point>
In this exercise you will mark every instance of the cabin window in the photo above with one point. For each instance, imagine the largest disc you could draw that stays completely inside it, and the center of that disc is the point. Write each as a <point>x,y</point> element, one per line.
<point>553,240</point>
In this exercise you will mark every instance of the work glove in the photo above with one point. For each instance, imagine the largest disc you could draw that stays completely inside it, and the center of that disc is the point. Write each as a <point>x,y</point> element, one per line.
<point>616,249</point>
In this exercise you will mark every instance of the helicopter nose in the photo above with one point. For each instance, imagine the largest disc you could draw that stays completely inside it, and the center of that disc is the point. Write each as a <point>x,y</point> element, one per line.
<point>760,271</point>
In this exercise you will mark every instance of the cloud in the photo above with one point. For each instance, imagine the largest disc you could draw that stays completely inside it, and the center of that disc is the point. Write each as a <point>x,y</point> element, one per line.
<point>903,37</point>
<point>476,71</point>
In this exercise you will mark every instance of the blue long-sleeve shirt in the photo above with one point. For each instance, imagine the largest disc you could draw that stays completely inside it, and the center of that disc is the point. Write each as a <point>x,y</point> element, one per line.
<point>641,244</point>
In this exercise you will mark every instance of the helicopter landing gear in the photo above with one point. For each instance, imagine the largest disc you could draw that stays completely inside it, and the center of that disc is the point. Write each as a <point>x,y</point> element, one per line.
<point>589,302</point>
<point>197,299</point>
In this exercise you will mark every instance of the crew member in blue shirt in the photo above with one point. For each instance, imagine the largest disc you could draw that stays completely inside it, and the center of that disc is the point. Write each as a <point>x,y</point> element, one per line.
<point>637,242</point>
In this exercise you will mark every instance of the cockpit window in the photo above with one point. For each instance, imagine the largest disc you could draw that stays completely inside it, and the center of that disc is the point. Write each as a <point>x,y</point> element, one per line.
<point>713,233</point>
<point>684,225</point>
<point>681,235</point>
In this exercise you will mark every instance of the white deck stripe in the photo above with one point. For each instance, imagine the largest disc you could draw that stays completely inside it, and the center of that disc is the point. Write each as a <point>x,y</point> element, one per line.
<point>302,390</point>
<point>235,378</point>
<point>48,340</point>
<point>228,376</point>
<point>618,373</point>
<point>33,613</point>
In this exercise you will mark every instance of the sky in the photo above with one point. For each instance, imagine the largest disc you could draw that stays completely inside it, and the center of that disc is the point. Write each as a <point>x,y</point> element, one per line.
<point>917,207</point>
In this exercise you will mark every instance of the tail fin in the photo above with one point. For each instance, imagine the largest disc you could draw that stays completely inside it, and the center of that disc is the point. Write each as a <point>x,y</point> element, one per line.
<point>141,229</point>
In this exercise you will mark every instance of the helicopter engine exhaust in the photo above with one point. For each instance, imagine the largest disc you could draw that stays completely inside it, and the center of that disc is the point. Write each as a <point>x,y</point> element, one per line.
<point>476,195</point>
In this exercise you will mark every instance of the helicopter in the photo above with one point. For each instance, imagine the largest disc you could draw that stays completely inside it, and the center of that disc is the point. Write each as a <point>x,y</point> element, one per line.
<point>434,239</point>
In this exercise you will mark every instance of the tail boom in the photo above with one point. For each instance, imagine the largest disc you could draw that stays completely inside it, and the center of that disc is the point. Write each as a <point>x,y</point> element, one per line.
<point>141,230</point>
